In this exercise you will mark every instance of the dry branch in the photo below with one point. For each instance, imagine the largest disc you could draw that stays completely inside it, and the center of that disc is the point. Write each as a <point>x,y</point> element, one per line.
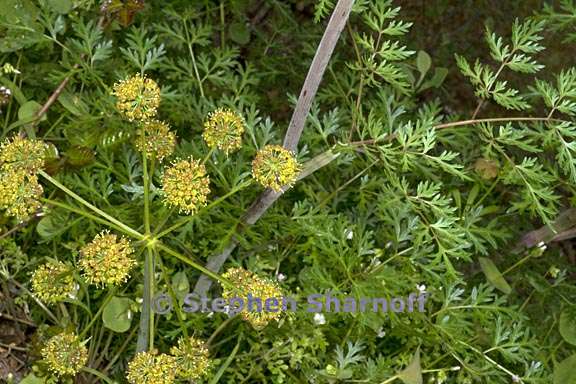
<point>315,73</point>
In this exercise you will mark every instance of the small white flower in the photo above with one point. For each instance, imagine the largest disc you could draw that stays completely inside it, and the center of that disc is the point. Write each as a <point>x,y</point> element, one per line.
<point>319,319</point>
<point>210,314</point>
<point>542,245</point>
<point>281,277</point>
<point>381,333</point>
<point>129,315</point>
<point>515,379</point>
<point>139,300</point>
<point>349,234</point>
<point>421,288</point>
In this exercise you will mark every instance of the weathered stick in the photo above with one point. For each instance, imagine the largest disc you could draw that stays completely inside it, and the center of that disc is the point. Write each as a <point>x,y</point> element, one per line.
<point>315,73</point>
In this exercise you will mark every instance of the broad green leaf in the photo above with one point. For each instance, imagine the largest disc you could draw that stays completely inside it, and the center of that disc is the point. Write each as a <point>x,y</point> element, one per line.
<point>117,315</point>
<point>423,62</point>
<point>412,374</point>
<point>32,379</point>
<point>28,110</point>
<point>568,324</point>
<point>565,372</point>
<point>180,285</point>
<point>436,80</point>
<point>48,228</point>
<point>494,276</point>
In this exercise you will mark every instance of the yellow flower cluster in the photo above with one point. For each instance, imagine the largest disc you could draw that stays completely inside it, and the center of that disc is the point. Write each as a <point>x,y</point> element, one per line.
<point>157,139</point>
<point>107,260</point>
<point>19,193</point>
<point>192,357</point>
<point>186,185</point>
<point>138,97</point>
<point>274,167</point>
<point>249,283</point>
<point>223,130</point>
<point>20,161</point>
<point>65,354</point>
<point>53,282</point>
<point>21,153</point>
<point>152,368</point>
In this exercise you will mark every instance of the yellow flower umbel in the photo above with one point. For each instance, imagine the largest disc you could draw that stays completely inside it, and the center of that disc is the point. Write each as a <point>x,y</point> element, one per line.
<point>65,354</point>
<point>107,260</point>
<point>137,97</point>
<point>186,185</point>
<point>20,161</point>
<point>223,130</point>
<point>53,282</point>
<point>275,167</point>
<point>19,193</point>
<point>21,153</point>
<point>157,139</point>
<point>192,357</point>
<point>260,288</point>
<point>150,368</point>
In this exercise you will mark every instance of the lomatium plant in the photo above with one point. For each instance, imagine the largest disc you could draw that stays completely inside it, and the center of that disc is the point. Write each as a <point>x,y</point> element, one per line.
<point>162,163</point>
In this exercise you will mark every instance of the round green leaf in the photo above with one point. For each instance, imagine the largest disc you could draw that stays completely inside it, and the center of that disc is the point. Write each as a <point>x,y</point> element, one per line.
<point>28,110</point>
<point>568,324</point>
<point>239,33</point>
<point>117,315</point>
<point>47,227</point>
<point>565,372</point>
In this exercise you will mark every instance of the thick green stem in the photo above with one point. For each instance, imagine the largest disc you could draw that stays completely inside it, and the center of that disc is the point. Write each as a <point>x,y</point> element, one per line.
<point>146,332</point>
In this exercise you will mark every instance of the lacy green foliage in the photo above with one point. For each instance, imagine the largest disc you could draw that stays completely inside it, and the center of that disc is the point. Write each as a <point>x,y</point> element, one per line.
<point>408,199</point>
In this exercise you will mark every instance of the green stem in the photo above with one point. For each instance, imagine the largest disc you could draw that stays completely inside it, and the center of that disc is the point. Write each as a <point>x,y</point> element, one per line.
<point>89,216</point>
<point>111,219</point>
<point>146,333</point>
<point>210,152</point>
<point>195,265</point>
<point>193,57</point>
<point>173,297</point>
<point>98,374</point>
<point>517,264</point>
<point>98,313</point>
<point>393,378</point>
<point>146,194</point>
